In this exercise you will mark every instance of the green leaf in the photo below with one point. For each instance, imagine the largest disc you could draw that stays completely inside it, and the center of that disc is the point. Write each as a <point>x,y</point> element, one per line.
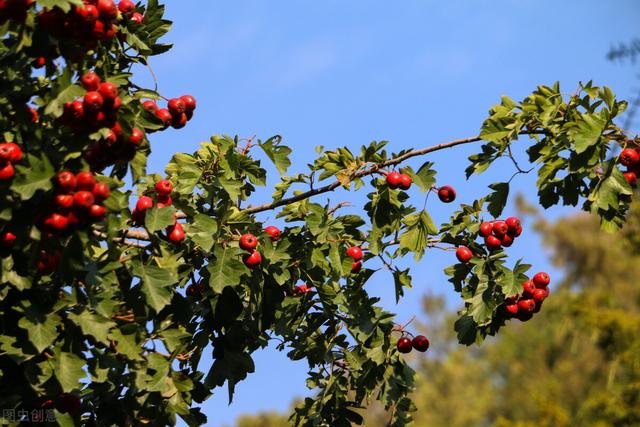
<point>201,231</point>
<point>425,178</point>
<point>65,5</point>
<point>65,92</point>
<point>159,218</point>
<point>498,199</point>
<point>69,371</point>
<point>466,330</point>
<point>278,154</point>
<point>126,344</point>
<point>416,237</point>
<point>586,131</point>
<point>156,284</point>
<point>41,334</point>
<point>36,176</point>
<point>93,324</point>
<point>225,269</point>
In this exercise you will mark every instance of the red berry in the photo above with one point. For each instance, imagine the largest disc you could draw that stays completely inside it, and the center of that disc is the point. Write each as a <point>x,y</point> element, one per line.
<point>126,7</point>
<point>526,305</point>
<point>404,345</point>
<point>88,14</point>
<point>164,115</point>
<point>447,194</point>
<point>420,343</point>
<point>464,254</point>
<point>57,222</point>
<point>97,212</point>
<point>176,106</point>
<point>64,201</point>
<point>164,201</point>
<point>73,112</point>
<point>539,295</point>
<point>164,187</point>
<point>39,62</point>
<point>492,242</point>
<point>512,308</point>
<point>85,181</point>
<point>405,181</point>
<point>7,239</point>
<point>34,114</point>
<point>248,242</point>
<point>506,240</point>
<point>528,288</point>
<point>83,199</point>
<point>631,178</point>
<point>394,179</point>
<point>109,91</point>
<point>500,228</point>
<point>541,280</point>
<point>107,9</point>
<point>70,403</point>
<point>90,81</point>
<point>355,252</point>
<point>252,260</point>
<point>138,18</point>
<point>176,233</point>
<point>136,136</point>
<point>513,223</point>
<point>524,316</point>
<point>93,101</point>
<point>179,121</point>
<point>101,191</point>
<point>189,102</point>
<point>629,157</point>
<point>150,106</point>
<point>144,203</point>
<point>356,267</point>
<point>301,289</point>
<point>273,231</point>
<point>66,181</point>
<point>486,228</point>
<point>194,290</point>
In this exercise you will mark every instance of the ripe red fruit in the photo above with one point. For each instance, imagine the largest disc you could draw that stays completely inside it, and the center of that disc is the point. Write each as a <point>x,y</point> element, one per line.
<point>486,228</point>
<point>88,14</point>
<point>97,212</point>
<point>355,253</point>
<point>301,289</point>
<point>64,201</point>
<point>126,7</point>
<point>189,102</point>
<point>356,267</point>
<point>513,223</point>
<point>420,343</point>
<point>629,157</point>
<point>528,288</point>
<point>144,203</point>
<point>274,232</point>
<point>631,178</point>
<point>150,106</point>
<point>93,101</point>
<point>136,136</point>
<point>405,181</point>
<point>109,91</point>
<point>66,180</point>
<point>512,308</point>
<point>404,345</point>
<point>39,62</point>
<point>526,305</point>
<point>506,241</point>
<point>447,194</point>
<point>85,181</point>
<point>164,115</point>
<point>138,18</point>
<point>464,254</point>
<point>179,121</point>
<point>83,199</point>
<point>248,242</point>
<point>34,114</point>
<point>73,112</point>
<point>10,152</point>
<point>176,106</point>
<point>500,228</point>
<point>164,187</point>
<point>107,9</point>
<point>541,280</point>
<point>6,171</point>
<point>252,260</point>
<point>394,179</point>
<point>7,239</point>
<point>194,289</point>
<point>101,191</point>
<point>57,222</point>
<point>164,201</point>
<point>492,242</point>
<point>176,233</point>
<point>539,295</point>
<point>90,81</point>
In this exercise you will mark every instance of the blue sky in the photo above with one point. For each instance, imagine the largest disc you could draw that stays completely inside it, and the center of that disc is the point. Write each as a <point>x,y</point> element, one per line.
<point>343,73</point>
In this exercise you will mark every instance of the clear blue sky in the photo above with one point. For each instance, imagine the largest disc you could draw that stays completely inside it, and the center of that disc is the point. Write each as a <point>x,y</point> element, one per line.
<point>415,72</point>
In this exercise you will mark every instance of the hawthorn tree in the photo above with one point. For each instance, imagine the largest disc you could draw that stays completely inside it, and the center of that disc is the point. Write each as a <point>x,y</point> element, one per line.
<point>107,310</point>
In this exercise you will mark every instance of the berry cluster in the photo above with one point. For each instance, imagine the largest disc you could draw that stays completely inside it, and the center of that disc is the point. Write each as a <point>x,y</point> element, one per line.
<point>500,233</point>
<point>48,262</point>
<point>630,157</point>
<point>15,10</point>
<point>406,344</point>
<point>355,253</point>
<point>398,180</point>
<point>178,112</point>
<point>162,189</point>
<point>10,153</point>
<point>249,243</point>
<point>534,292</point>
<point>77,202</point>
